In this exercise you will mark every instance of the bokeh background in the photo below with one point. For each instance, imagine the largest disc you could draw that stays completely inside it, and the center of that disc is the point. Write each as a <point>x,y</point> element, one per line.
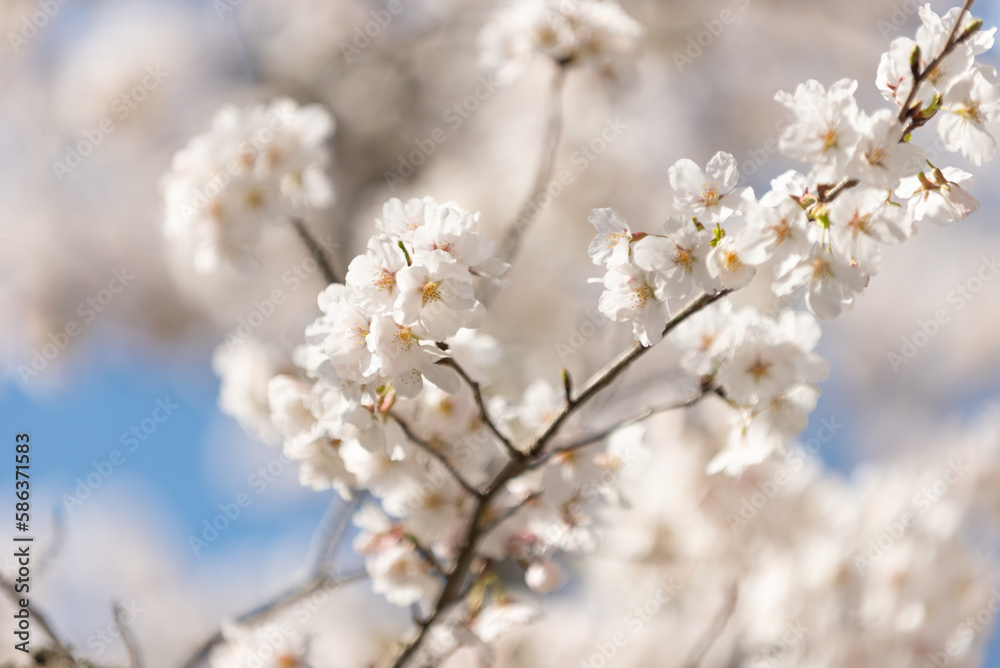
<point>63,235</point>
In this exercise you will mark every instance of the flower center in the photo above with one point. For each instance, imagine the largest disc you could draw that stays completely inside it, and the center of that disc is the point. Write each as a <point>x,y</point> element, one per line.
<point>877,154</point>
<point>731,261</point>
<point>385,281</point>
<point>430,292</point>
<point>642,295</point>
<point>710,193</point>
<point>830,138</point>
<point>760,370</point>
<point>683,257</point>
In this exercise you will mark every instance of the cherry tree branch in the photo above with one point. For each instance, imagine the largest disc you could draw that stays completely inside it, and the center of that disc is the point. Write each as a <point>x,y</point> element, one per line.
<point>332,528</point>
<point>61,647</point>
<point>918,78</point>
<point>484,415</point>
<point>907,110</point>
<point>318,253</point>
<point>476,526</point>
<point>604,433</point>
<point>715,630</point>
<point>282,602</point>
<point>134,658</point>
<point>531,207</point>
<point>437,455</point>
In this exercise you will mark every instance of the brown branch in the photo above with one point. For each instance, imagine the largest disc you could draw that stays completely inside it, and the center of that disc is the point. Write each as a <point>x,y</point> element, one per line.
<point>949,46</point>
<point>484,415</point>
<point>604,433</point>
<point>715,630</point>
<point>475,528</point>
<point>530,209</point>
<point>437,455</point>
<point>311,586</point>
<point>134,658</point>
<point>61,648</point>
<point>321,256</point>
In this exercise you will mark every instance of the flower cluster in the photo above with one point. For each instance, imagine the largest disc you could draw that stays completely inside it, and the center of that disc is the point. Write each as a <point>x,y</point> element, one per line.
<point>764,367</point>
<point>595,33</point>
<point>255,165</point>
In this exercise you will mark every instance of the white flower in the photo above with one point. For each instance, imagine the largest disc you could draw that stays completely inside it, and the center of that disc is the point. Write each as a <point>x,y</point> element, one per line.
<point>680,260</point>
<point>780,232</point>
<point>589,32</point>
<point>859,218</point>
<point>501,618</point>
<point>450,228</point>
<point>758,372</point>
<point>254,166</point>
<point>291,403</point>
<point>244,369</point>
<point>544,577</point>
<point>401,219</point>
<point>881,159</point>
<point>398,355</point>
<point>831,282</point>
<point>636,295</point>
<point>727,265</point>
<point>435,298</point>
<point>971,103</point>
<point>941,200</point>
<point>825,131</point>
<point>341,334</point>
<point>710,195</point>
<point>373,275</point>
<point>401,574</point>
<point>611,245</point>
<point>265,646</point>
<point>706,337</point>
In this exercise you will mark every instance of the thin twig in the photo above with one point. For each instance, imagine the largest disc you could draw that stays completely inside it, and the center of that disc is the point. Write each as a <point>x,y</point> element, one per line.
<point>510,512</point>
<point>321,256</point>
<point>484,415</point>
<point>531,208</point>
<point>609,373</point>
<point>427,555</point>
<point>475,527</point>
<point>40,617</point>
<point>289,598</point>
<point>714,631</point>
<point>905,111</point>
<point>949,46</point>
<point>331,529</point>
<point>134,658</point>
<point>604,433</point>
<point>436,454</point>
